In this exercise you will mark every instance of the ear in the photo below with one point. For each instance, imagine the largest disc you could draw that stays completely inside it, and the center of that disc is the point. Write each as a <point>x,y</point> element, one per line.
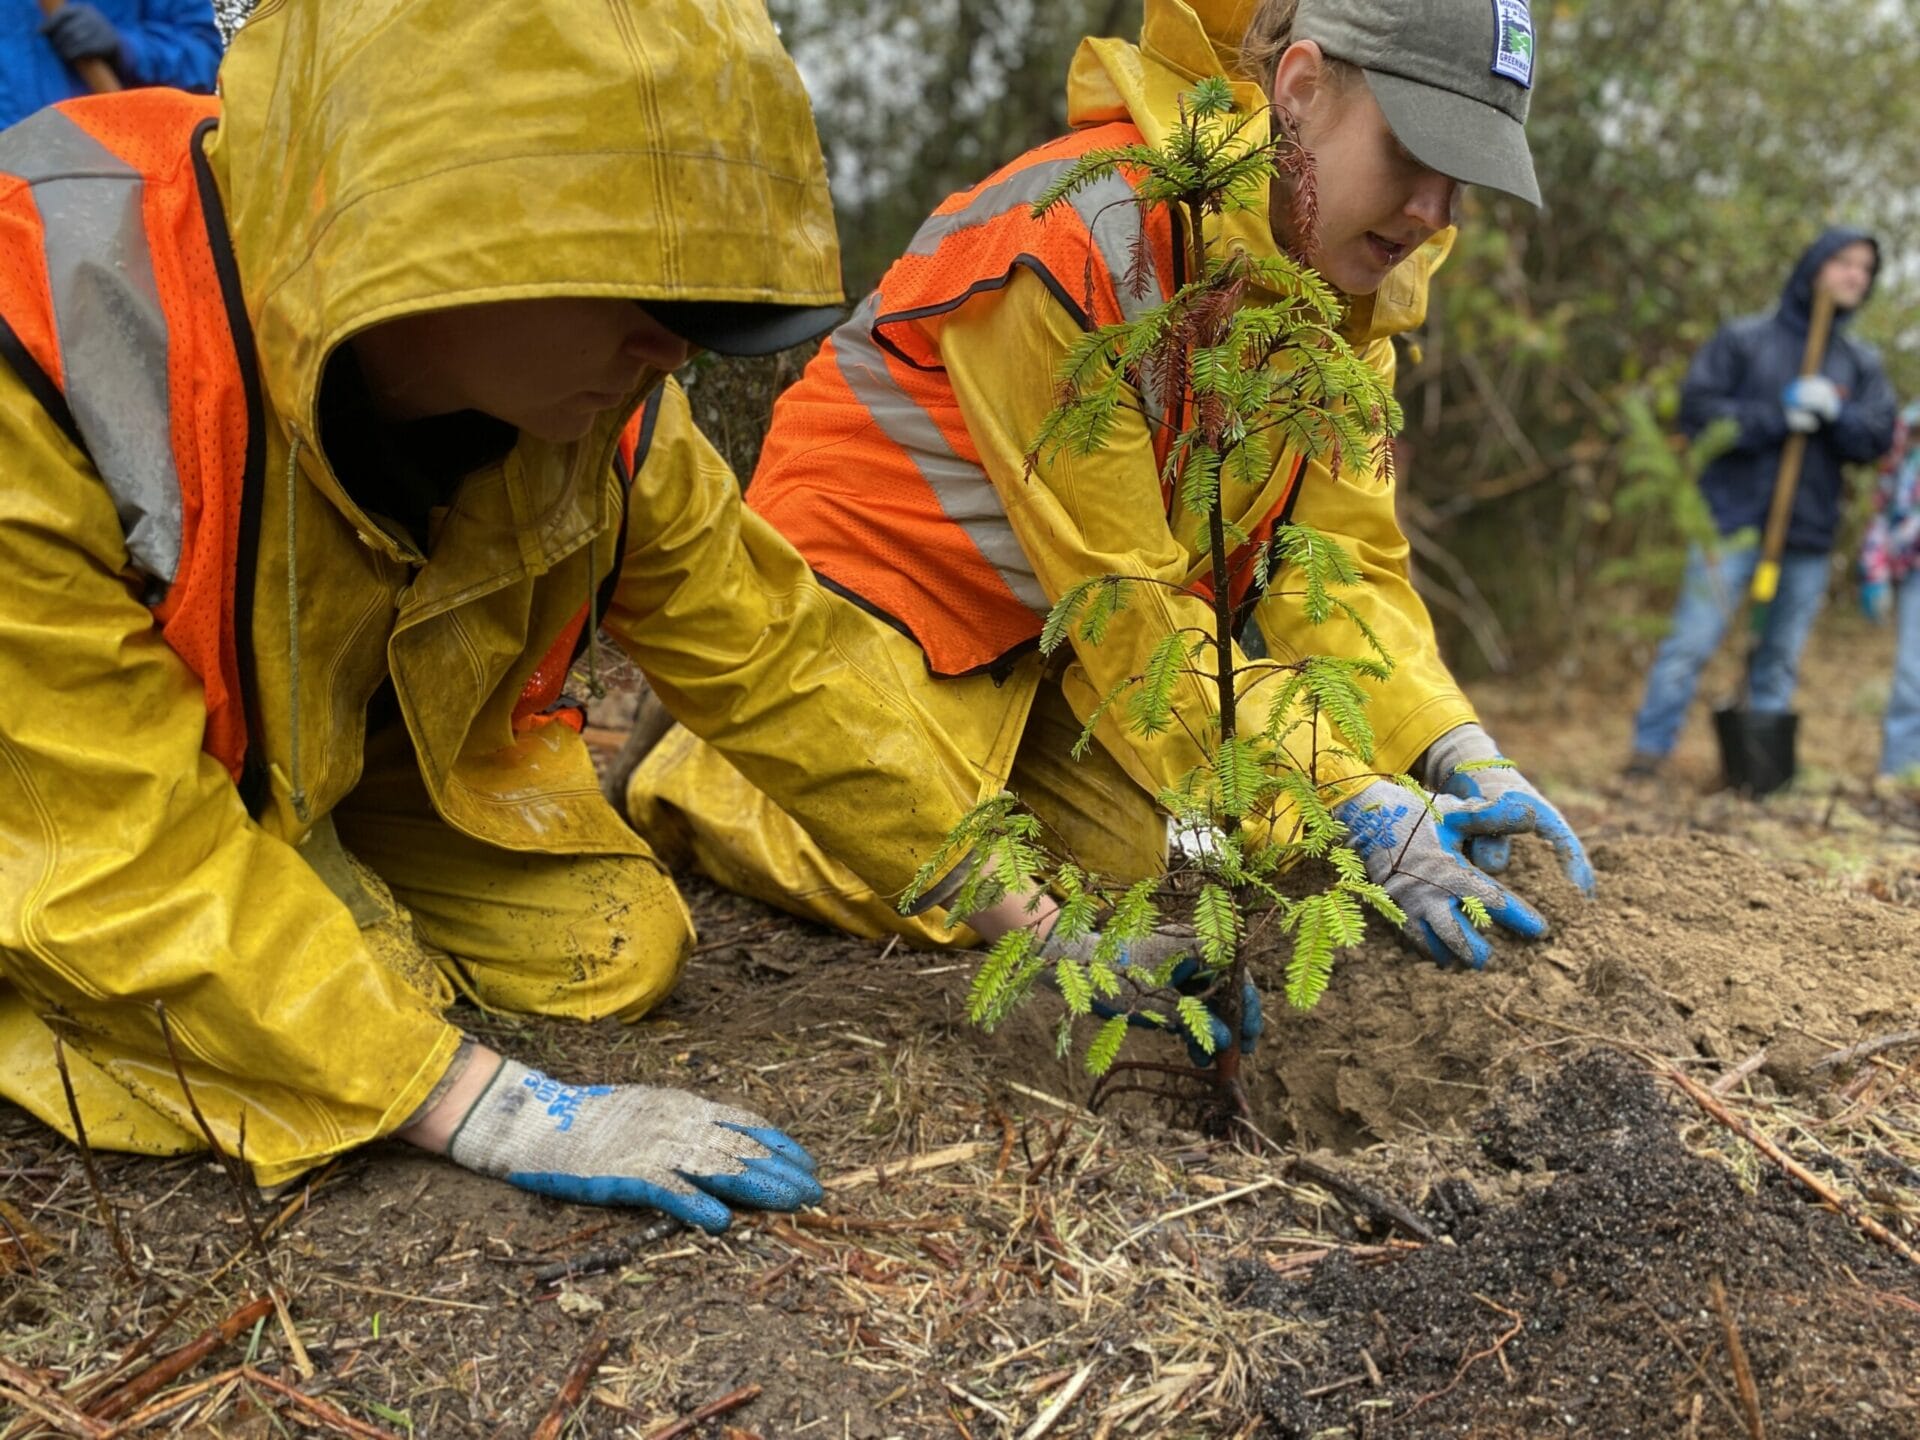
<point>1300,77</point>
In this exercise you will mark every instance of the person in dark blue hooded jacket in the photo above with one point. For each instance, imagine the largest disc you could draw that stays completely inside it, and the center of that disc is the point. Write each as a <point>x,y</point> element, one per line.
<point>144,42</point>
<point>1750,373</point>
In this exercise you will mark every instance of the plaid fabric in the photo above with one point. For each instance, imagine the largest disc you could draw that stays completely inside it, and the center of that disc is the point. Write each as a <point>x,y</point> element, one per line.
<point>1891,550</point>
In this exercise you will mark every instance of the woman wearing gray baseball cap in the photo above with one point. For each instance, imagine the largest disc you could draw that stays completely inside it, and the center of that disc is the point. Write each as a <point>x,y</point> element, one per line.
<point>896,465</point>
<point>1403,103</point>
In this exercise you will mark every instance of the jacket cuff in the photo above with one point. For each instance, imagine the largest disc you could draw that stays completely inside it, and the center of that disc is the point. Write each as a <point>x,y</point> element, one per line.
<point>462,1058</point>
<point>939,895</point>
<point>271,1171</point>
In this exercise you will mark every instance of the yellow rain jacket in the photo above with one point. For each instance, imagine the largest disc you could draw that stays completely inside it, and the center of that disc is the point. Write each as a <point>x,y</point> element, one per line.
<point>371,162</point>
<point>1079,517</point>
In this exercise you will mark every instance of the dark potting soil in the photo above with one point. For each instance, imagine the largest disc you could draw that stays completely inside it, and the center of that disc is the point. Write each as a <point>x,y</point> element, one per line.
<point>1585,1307</point>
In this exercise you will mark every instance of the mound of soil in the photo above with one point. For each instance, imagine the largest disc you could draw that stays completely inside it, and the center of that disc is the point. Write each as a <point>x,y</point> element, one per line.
<point>1585,1306</point>
<point>1695,945</point>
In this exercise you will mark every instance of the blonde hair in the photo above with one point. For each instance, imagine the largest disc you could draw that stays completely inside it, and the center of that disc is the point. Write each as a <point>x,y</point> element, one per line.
<point>1269,35</point>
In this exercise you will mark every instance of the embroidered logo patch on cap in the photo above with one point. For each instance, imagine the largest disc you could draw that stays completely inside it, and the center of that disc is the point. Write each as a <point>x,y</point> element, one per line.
<point>1513,41</point>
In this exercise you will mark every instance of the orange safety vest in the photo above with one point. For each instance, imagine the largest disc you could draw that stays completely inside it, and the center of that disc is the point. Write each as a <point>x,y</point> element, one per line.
<point>121,311</point>
<point>869,470</point>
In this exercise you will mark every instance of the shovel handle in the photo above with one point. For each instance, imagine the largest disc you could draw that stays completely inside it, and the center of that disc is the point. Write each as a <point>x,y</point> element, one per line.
<point>95,72</point>
<point>1766,575</point>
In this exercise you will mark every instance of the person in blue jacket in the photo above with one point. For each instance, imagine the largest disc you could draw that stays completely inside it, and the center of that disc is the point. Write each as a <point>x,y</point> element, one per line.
<point>1750,373</point>
<point>144,42</point>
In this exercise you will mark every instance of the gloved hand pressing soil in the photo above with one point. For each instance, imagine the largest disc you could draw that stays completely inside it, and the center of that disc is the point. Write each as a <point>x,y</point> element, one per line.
<point>1189,977</point>
<point>619,1145</point>
<point>1418,856</point>
<point>1466,763</point>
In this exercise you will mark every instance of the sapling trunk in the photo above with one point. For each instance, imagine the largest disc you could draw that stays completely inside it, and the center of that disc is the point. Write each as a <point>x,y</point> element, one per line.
<point>1226,1067</point>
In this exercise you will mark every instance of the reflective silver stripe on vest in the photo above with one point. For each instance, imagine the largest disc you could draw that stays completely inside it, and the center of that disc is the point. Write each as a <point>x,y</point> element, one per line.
<point>966,495</point>
<point>1108,208</point>
<point>111,329</point>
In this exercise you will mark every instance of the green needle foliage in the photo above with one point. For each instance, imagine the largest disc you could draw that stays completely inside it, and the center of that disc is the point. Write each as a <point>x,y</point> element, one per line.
<point>1252,372</point>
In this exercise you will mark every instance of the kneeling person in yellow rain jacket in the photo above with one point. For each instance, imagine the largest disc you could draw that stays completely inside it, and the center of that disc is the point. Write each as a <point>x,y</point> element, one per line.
<point>313,406</point>
<point>897,466</point>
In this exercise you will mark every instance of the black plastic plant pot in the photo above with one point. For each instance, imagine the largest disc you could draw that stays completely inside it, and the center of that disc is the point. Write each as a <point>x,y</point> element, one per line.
<point>1756,748</point>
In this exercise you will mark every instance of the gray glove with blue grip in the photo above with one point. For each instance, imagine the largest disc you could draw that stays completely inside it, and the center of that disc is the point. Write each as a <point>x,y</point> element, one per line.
<point>1810,402</point>
<point>1147,955</point>
<point>1466,763</point>
<point>631,1145</point>
<point>1418,856</point>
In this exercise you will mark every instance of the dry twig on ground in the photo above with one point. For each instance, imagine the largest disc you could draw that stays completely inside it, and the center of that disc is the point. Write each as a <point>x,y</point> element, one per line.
<point>175,1363</point>
<point>1737,1354</point>
<point>1712,1104</point>
<point>573,1388</point>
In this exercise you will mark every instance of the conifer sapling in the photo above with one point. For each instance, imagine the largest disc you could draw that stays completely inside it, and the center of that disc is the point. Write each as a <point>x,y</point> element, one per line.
<point>1241,369</point>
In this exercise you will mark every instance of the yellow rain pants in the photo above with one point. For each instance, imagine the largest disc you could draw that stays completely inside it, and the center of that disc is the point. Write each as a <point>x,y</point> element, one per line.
<point>585,937</point>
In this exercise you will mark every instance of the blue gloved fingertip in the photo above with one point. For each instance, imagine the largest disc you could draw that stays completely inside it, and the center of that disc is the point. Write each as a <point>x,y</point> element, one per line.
<point>762,1184</point>
<point>1428,939</point>
<point>1197,1053</point>
<point>1490,853</point>
<point>1581,873</point>
<point>1514,914</point>
<point>1573,857</point>
<point>696,1209</point>
<point>1478,950</point>
<point>778,1142</point>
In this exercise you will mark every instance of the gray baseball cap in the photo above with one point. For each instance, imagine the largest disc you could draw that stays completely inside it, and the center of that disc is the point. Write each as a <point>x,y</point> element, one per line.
<point>1453,78</point>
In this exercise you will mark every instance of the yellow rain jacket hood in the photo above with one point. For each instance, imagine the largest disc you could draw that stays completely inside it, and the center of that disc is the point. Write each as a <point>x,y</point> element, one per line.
<point>377,160</point>
<point>372,161</point>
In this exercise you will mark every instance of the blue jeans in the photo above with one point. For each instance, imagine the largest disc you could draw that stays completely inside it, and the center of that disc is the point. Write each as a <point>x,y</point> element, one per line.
<point>1711,594</point>
<point>1900,736</point>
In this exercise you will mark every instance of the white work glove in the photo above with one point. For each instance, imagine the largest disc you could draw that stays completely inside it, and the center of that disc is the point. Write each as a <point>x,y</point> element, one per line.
<point>1811,401</point>
<point>1419,858</point>
<point>631,1145</point>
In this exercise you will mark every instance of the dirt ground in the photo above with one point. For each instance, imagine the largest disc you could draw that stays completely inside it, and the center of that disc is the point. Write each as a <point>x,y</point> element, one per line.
<point>1511,1218</point>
